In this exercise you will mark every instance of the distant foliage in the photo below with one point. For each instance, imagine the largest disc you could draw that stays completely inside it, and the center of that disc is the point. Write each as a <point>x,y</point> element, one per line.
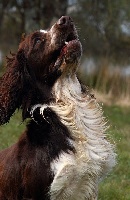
<point>111,83</point>
<point>104,26</point>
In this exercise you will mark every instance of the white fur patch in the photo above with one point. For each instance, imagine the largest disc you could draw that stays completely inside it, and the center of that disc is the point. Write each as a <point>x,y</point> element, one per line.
<point>77,175</point>
<point>74,179</point>
<point>43,31</point>
<point>34,108</point>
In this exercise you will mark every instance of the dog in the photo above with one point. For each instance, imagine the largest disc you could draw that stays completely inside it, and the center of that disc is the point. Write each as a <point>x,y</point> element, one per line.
<point>63,153</point>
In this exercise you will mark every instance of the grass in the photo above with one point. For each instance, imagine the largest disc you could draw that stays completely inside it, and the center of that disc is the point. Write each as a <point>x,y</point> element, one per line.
<point>10,132</point>
<point>116,185</point>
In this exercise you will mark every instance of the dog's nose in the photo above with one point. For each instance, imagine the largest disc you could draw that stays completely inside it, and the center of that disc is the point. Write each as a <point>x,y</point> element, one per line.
<point>65,20</point>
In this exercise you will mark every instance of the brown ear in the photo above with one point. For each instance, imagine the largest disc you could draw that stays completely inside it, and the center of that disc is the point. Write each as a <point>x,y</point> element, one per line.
<point>21,58</point>
<point>10,89</point>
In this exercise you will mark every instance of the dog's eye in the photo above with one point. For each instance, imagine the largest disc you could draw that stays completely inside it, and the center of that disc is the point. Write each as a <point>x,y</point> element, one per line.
<point>37,41</point>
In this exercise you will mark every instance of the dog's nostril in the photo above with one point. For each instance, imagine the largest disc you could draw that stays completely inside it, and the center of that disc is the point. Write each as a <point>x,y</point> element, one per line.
<point>64,20</point>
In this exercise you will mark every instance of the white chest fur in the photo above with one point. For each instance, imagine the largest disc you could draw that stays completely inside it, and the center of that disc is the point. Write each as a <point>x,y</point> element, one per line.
<point>77,175</point>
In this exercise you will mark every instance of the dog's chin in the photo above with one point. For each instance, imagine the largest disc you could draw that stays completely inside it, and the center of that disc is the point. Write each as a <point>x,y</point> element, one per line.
<point>69,56</point>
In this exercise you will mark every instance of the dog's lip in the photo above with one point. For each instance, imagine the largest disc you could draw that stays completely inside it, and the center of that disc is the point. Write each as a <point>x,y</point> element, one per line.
<point>69,43</point>
<point>70,47</point>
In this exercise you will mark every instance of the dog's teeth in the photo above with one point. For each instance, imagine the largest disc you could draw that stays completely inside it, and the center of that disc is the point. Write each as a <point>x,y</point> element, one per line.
<point>66,42</point>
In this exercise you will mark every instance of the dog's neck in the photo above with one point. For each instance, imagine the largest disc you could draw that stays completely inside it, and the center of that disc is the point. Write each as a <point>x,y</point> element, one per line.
<point>71,103</point>
<point>83,117</point>
<point>66,88</point>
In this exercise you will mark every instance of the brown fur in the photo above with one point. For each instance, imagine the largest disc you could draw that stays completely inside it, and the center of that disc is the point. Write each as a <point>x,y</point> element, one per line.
<point>31,73</point>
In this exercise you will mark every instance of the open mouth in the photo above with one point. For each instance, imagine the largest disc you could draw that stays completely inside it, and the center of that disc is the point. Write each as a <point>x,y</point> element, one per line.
<point>67,46</point>
<point>70,52</point>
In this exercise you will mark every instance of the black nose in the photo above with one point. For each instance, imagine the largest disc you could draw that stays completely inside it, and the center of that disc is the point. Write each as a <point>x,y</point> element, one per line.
<point>65,20</point>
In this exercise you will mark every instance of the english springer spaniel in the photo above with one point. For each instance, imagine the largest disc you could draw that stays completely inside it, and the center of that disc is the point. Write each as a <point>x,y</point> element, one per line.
<point>64,152</point>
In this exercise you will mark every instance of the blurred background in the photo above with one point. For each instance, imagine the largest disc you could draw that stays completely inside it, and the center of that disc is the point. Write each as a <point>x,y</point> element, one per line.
<point>104,31</point>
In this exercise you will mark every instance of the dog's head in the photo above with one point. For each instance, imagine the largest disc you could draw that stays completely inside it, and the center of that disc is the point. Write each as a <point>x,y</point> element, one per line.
<point>46,51</point>
<point>42,57</point>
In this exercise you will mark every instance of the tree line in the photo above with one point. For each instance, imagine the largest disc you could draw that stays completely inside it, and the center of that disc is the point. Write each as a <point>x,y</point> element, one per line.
<point>103,26</point>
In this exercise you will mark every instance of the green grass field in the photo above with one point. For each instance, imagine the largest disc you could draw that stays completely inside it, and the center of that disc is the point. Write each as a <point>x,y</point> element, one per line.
<point>117,185</point>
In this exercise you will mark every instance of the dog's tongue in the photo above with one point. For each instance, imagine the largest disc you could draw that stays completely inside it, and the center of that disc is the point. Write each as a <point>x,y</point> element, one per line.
<point>69,55</point>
